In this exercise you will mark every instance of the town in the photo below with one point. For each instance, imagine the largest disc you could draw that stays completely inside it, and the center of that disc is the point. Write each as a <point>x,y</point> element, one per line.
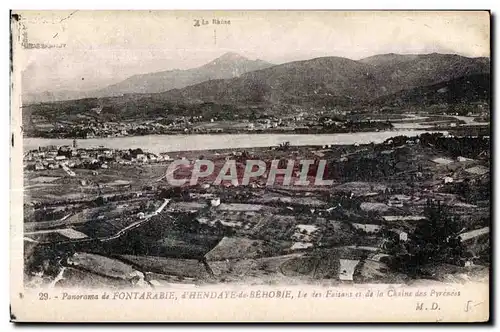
<point>100,121</point>
<point>83,204</point>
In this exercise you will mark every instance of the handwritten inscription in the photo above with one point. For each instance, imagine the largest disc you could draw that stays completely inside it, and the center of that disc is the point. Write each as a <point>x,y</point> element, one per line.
<point>27,44</point>
<point>470,305</point>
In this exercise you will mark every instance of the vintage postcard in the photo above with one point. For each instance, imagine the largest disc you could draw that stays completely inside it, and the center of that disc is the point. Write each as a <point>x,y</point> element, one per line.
<point>250,166</point>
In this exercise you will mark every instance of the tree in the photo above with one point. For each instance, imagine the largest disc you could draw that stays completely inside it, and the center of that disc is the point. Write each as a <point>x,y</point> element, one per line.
<point>285,146</point>
<point>135,152</point>
<point>99,201</point>
<point>435,240</point>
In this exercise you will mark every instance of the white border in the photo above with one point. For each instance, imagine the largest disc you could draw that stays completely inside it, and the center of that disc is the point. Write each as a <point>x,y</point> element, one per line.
<point>185,4</point>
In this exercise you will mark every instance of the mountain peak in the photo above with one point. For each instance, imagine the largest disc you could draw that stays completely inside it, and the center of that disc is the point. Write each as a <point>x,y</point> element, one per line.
<point>231,56</point>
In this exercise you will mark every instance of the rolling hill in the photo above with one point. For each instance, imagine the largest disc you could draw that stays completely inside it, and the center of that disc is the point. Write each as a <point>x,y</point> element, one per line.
<point>388,59</point>
<point>294,82</point>
<point>382,80</point>
<point>465,89</point>
<point>410,71</point>
<point>334,79</point>
<point>228,65</point>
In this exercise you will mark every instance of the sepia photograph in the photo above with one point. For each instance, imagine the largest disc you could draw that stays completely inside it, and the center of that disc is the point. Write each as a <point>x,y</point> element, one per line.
<point>189,157</point>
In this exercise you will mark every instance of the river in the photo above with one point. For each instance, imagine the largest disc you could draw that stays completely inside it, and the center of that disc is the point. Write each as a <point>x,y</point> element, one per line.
<point>470,121</point>
<point>170,143</point>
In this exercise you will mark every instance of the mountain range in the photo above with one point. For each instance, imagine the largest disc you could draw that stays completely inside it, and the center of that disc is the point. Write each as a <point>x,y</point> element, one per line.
<point>233,79</point>
<point>334,79</point>
<point>228,65</point>
<point>465,89</point>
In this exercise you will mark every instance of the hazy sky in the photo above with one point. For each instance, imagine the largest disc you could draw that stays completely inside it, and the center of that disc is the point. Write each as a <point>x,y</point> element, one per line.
<point>99,48</point>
